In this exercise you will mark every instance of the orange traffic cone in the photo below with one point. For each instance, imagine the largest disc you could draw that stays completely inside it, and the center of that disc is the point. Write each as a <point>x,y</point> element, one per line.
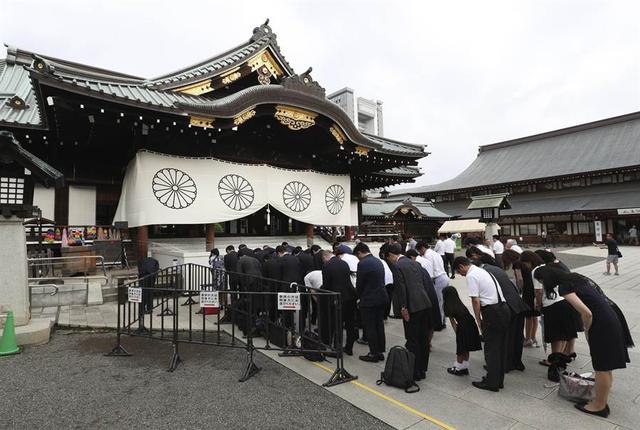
<point>8,345</point>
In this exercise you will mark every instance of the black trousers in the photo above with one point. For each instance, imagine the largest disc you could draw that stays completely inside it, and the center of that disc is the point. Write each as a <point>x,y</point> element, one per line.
<point>515,341</point>
<point>499,261</point>
<point>416,331</point>
<point>448,264</point>
<point>373,325</point>
<point>327,321</point>
<point>495,330</point>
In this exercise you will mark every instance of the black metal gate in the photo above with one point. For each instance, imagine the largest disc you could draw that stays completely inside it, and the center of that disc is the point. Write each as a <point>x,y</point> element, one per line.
<point>247,303</point>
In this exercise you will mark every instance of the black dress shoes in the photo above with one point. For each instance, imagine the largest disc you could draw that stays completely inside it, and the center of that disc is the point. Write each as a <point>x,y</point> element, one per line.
<point>419,376</point>
<point>484,386</point>
<point>458,372</point>
<point>380,357</point>
<point>604,413</point>
<point>347,351</point>
<point>370,358</point>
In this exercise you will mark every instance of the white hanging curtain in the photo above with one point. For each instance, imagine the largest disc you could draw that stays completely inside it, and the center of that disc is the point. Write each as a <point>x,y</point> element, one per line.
<point>165,189</point>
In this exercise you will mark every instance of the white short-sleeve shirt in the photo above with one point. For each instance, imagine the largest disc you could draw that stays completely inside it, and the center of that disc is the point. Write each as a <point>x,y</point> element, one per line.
<point>436,261</point>
<point>498,247</point>
<point>439,248</point>
<point>537,285</point>
<point>313,279</point>
<point>482,285</point>
<point>449,246</point>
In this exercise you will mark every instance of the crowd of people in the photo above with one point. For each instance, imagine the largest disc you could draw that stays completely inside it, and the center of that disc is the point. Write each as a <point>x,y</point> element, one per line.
<point>510,290</point>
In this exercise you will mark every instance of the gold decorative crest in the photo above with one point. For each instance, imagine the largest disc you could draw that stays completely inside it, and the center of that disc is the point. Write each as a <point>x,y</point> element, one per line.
<point>201,121</point>
<point>244,116</point>
<point>231,76</point>
<point>197,88</point>
<point>294,118</point>
<point>266,66</point>
<point>338,134</point>
<point>361,150</point>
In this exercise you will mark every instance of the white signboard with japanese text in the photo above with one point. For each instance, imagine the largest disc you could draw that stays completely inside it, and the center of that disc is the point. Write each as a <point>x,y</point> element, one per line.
<point>209,299</point>
<point>135,294</point>
<point>629,211</point>
<point>598,230</point>
<point>288,301</point>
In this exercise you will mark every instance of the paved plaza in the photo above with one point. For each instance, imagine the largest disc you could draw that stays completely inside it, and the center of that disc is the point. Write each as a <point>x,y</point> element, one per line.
<point>529,400</point>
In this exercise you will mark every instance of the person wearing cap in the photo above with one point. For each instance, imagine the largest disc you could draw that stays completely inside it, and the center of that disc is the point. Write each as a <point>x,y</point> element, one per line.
<point>492,316</point>
<point>410,300</point>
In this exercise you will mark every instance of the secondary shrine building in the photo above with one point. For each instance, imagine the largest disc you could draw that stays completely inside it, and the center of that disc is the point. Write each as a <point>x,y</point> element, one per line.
<point>238,144</point>
<point>576,184</point>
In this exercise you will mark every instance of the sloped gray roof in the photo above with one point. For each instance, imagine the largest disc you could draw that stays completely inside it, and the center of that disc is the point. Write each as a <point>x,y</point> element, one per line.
<point>399,147</point>
<point>380,207</point>
<point>262,37</point>
<point>572,200</point>
<point>15,81</point>
<point>603,145</point>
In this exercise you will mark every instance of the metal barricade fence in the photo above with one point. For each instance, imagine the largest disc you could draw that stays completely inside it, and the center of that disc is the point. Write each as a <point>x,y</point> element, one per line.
<point>312,324</point>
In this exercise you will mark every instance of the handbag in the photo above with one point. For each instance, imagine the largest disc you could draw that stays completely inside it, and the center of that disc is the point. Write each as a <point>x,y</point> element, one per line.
<point>575,387</point>
<point>619,253</point>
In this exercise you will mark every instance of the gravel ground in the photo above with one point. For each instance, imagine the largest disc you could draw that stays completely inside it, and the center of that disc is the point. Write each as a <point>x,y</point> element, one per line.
<point>68,383</point>
<point>573,261</point>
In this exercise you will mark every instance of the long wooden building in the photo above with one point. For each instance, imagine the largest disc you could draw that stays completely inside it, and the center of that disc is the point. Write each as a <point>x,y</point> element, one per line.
<point>576,183</point>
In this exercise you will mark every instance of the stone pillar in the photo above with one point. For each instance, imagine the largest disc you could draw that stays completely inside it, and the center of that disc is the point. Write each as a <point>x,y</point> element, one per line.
<point>142,241</point>
<point>309,229</point>
<point>490,230</point>
<point>211,236</point>
<point>14,292</point>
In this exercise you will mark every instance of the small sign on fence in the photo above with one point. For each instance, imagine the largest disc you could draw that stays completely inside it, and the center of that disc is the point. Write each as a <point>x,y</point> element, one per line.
<point>209,299</point>
<point>135,294</point>
<point>288,301</point>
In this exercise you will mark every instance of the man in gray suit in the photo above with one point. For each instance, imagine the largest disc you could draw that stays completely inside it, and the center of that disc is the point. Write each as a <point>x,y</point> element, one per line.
<point>410,300</point>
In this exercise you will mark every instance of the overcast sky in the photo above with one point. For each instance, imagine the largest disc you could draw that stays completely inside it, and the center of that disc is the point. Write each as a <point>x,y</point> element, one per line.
<point>452,74</point>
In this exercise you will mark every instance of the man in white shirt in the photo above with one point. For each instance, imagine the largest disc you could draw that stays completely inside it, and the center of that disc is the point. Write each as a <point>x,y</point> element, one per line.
<point>388,285</point>
<point>513,245</point>
<point>493,317</point>
<point>633,235</point>
<point>449,255</point>
<point>498,250</point>
<point>435,266</point>
<point>343,252</point>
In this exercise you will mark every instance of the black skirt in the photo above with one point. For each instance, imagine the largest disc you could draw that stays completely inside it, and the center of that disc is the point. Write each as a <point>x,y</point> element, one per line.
<point>467,335</point>
<point>559,322</point>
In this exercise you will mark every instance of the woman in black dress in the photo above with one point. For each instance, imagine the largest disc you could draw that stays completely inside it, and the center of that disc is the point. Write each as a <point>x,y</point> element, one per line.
<point>602,326</point>
<point>528,261</point>
<point>466,328</point>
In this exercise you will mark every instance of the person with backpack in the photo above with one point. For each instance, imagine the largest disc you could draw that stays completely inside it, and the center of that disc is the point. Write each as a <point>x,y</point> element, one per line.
<point>410,300</point>
<point>467,334</point>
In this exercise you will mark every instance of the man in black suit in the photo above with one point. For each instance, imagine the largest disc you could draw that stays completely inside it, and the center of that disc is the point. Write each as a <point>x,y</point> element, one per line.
<point>410,300</point>
<point>231,267</point>
<point>370,287</point>
<point>336,276</point>
<point>516,325</point>
<point>306,261</point>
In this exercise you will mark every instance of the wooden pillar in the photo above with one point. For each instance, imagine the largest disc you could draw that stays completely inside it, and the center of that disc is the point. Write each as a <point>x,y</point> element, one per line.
<point>309,231</point>
<point>348,232</point>
<point>211,236</point>
<point>142,241</point>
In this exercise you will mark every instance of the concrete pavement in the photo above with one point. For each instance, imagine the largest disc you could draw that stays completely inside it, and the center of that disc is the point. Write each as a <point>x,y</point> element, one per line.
<point>528,401</point>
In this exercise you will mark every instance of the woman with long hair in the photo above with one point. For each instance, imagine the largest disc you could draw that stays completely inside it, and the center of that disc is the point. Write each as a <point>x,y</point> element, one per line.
<point>603,329</point>
<point>525,264</point>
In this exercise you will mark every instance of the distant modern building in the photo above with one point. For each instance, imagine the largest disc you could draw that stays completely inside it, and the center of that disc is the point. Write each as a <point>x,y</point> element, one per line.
<point>576,183</point>
<point>366,114</point>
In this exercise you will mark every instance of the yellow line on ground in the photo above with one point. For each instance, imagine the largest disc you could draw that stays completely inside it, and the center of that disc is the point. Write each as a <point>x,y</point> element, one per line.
<point>392,400</point>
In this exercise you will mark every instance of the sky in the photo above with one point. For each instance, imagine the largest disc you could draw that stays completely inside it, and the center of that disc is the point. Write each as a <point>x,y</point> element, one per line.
<point>453,75</point>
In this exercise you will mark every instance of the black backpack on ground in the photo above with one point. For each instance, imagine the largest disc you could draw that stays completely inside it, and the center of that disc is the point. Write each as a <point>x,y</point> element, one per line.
<point>398,370</point>
<point>311,340</point>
